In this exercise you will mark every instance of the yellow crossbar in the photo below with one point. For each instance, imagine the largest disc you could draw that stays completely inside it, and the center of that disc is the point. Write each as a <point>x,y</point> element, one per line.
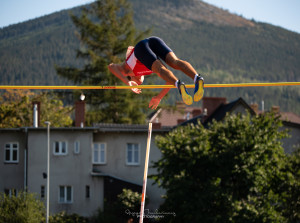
<point>33,87</point>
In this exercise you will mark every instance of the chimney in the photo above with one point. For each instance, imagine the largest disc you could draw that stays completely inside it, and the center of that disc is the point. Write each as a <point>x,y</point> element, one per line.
<point>180,105</point>
<point>36,113</point>
<point>179,121</point>
<point>156,125</point>
<point>79,113</point>
<point>212,103</point>
<point>254,107</point>
<point>276,109</point>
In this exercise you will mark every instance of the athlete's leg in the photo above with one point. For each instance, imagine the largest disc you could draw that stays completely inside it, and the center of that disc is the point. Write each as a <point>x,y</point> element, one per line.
<point>173,61</point>
<point>164,52</point>
<point>148,51</point>
<point>144,54</point>
<point>167,75</point>
<point>184,66</point>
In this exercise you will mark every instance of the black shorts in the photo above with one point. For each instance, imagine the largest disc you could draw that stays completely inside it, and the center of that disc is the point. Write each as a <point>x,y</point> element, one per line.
<point>151,49</point>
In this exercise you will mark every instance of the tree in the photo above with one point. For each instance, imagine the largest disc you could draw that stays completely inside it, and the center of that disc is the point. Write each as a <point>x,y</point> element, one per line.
<point>106,30</point>
<point>62,217</point>
<point>130,204</point>
<point>53,110</point>
<point>234,171</point>
<point>16,109</point>
<point>22,208</point>
<point>292,207</point>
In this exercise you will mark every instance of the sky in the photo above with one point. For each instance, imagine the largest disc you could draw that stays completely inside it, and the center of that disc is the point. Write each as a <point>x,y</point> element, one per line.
<point>283,13</point>
<point>15,11</point>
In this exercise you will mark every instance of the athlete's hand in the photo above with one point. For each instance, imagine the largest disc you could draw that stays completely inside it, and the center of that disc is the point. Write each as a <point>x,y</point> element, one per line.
<point>135,90</point>
<point>154,102</point>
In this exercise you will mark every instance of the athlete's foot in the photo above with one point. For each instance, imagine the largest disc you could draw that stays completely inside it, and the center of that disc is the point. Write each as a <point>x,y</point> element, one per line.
<point>186,97</point>
<point>199,88</point>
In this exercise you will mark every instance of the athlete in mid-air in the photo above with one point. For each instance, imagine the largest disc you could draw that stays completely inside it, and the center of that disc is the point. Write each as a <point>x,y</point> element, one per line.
<point>145,59</point>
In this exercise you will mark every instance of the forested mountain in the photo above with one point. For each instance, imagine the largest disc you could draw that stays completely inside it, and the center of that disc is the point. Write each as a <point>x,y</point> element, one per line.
<point>224,47</point>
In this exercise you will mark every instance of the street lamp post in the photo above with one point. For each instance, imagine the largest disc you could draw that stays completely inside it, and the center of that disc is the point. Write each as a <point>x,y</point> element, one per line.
<point>48,171</point>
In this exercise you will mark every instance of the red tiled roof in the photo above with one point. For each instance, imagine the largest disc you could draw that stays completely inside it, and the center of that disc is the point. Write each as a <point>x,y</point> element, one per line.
<point>174,116</point>
<point>290,117</point>
<point>170,117</point>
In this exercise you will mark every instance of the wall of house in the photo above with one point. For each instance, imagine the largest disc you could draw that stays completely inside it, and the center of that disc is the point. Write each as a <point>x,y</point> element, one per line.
<point>12,174</point>
<point>289,144</point>
<point>70,169</point>
<point>116,165</point>
<point>74,169</point>
<point>240,109</point>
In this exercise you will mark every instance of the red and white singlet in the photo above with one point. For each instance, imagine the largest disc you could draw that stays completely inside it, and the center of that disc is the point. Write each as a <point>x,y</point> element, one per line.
<point>135,65</point>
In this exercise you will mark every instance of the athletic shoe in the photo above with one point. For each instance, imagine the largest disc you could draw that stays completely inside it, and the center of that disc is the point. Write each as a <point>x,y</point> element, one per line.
<point>186,97</point>
<point>199,88</point>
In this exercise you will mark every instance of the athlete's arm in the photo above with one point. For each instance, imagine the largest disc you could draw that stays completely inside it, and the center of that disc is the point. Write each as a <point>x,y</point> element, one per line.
<point>121,73</point>
<point>156,99</point>
<point>117,70</point>
<point>139,80</point>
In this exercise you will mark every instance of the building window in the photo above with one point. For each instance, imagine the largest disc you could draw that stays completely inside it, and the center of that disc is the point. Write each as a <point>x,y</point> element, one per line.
<point>65,194</point>
<point>42,191</point>
<point>99,153</point>
<point>133,154</point>
<point>60,148</point>
<point>11,153</point>
<point>11,192</point>
<point>76,147</point>
<point>87,191</point>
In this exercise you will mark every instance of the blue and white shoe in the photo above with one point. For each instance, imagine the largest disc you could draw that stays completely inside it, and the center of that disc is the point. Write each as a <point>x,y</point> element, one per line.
<point>199,88</point>
<point>186,97</point>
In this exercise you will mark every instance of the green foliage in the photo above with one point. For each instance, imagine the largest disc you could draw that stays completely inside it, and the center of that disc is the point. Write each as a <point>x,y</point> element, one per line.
<point>235,171</point>
<point>106,29</point>
<point>130,200</point>
<point>29,51</point>
<point>65,218</point>
<point>292,206</point>
<point>53,110</point>
<point>16,109</point>
<point>125,208</point>
<point>23,208</point>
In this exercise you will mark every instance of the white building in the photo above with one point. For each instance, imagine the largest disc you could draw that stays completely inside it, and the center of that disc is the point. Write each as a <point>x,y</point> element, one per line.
<point>87,165</point>
<point>91,164</point>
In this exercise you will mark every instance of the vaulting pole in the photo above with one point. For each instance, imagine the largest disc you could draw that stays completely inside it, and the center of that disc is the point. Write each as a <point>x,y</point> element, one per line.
<point>147,86</point>
<point>146,166</point>
<point>145,173</point>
